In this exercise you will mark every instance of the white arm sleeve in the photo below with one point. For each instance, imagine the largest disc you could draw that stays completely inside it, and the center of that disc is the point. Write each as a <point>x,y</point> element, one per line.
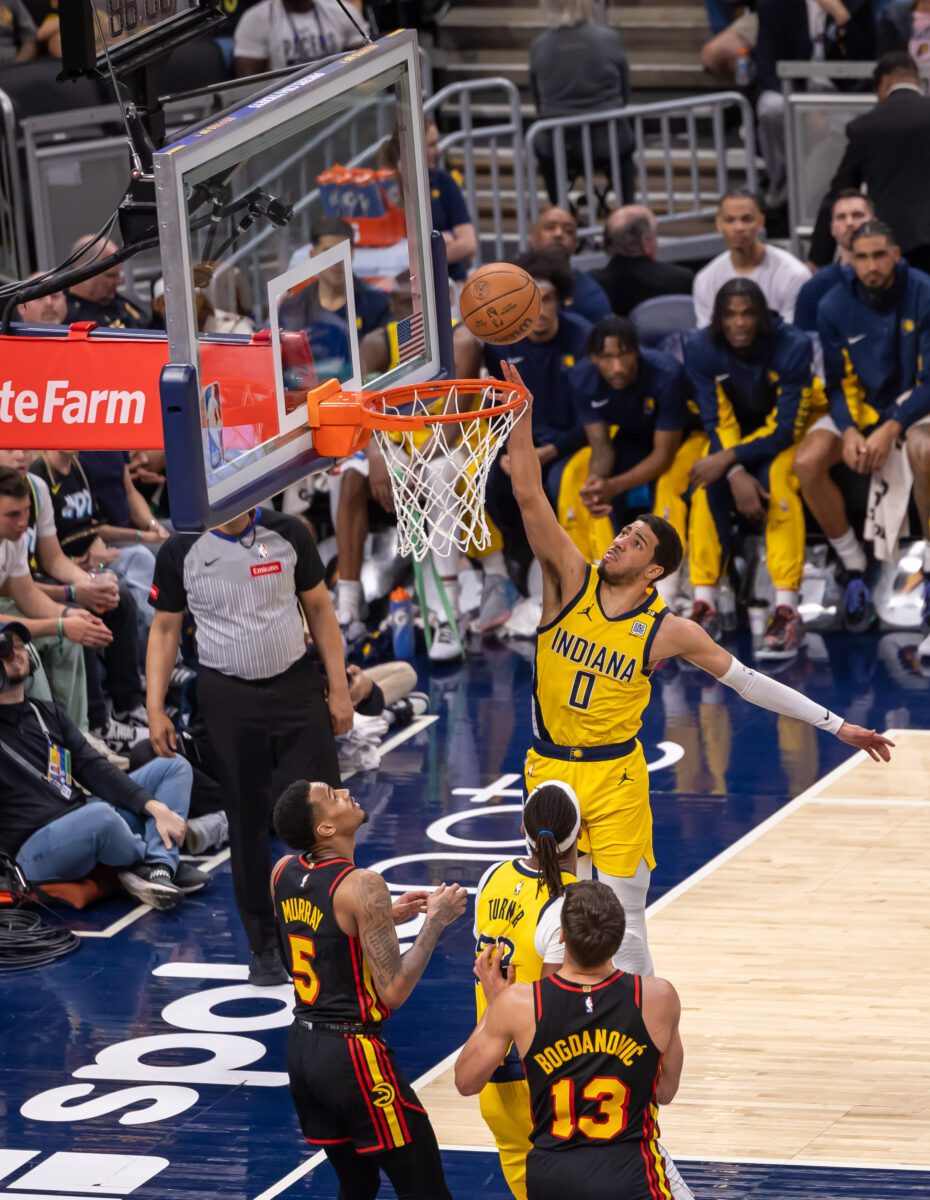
<point>546,942</point>
<point>776,697</point>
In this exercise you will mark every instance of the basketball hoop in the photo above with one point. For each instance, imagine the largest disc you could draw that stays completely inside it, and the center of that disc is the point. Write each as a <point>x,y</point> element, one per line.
<point>438,440</point>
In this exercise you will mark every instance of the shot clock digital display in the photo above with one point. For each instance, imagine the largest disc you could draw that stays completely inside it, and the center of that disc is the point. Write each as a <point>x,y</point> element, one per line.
<point>132,32</point>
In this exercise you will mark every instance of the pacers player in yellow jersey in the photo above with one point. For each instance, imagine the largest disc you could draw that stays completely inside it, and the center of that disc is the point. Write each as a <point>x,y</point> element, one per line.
<point>603,629</point>
<point>517,909</point>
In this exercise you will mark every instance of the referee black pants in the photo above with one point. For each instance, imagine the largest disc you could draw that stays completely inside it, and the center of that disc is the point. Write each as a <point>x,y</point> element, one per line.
<point>263,734</point>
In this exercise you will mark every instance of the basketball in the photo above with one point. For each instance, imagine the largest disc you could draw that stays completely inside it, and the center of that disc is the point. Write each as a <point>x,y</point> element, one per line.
<point>500,303</point>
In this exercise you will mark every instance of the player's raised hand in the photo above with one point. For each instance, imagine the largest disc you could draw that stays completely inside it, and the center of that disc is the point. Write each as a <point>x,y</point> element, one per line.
<point>512,375</point>
<point>876,745</point>
<point>409,905</point>
<point>493,978</point>
<point>447,903</point>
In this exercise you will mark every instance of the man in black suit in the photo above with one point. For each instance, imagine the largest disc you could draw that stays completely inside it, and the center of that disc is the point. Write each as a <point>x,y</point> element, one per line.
<point>633,273</point>
<point>888,150</point>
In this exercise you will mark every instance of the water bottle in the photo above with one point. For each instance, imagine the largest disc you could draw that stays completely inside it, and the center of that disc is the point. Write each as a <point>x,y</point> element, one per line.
<point>745,68</point>
<point>402,635</point>
<point>726,606</point>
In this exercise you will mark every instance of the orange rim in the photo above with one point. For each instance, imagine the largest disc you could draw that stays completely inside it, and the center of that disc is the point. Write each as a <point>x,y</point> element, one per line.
<point>330,406</point>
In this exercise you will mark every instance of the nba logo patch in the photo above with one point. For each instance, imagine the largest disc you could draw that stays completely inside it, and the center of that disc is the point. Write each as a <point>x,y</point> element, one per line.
<point>263,551</point>
<point>518,889</point>
<point>588,1004</point>
<point>639,629</point>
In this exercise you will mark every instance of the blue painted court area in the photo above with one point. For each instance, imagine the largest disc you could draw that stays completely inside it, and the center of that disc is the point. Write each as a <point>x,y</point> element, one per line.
<point>144,1066</point>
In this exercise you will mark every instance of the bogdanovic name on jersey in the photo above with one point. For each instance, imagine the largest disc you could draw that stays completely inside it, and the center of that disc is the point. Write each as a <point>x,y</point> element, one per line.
<point>594,657</point>
<point>604,1041</point>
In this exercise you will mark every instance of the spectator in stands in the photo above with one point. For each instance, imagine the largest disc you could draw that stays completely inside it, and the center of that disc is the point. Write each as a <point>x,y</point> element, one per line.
<point>62,580</point>
<point>209,319</point>
<point>99,298</point>
<point>289,33</point>
<point>736,30</point>
<point>17,33</point>
<point>84,530</point>
<point>888,150</point>
<point>752,380</point>
<point>450,215</point>
<point>819,30</point>
<point>49,32</point>
<point>643,394</point>
<point>875,331</point>
<point>46,310</point>
<point>580,67</point>
<point>904,27</point>
<point>60,630</point>
<point>779,275</point>
<point>850,209</point>
<point>249,586</point>
<point>554,345</point>
<point>633,273</point>
<point>556,231</point>
<point>320,308</point>
<point>65,810</point>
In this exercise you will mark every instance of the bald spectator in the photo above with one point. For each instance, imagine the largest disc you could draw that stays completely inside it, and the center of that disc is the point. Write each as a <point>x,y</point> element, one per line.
<point>556,231</point>
<point>741,223</point>
<point>633,273</point>
<point>98,298</point>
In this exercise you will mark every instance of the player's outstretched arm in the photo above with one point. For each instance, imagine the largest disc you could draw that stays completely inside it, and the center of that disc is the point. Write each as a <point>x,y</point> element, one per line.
<point>681,638</point>
<point>558,556</point>
<point>369,903</point>
<point>509,1017</point>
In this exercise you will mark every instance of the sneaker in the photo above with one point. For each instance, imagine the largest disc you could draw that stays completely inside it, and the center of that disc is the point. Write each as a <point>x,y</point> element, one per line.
<point>98,744</point>
<point>858,607</point>
<point>188,878</point>
<point>497,600</point>
<point>121,735</point>
<point>266,969</point>
<point>134,716</point>
<point>419,702</point>
<point>784,635</point>
<point>153,884</point>
<point>180,675</point>
<point>702,614</point>
<point>353,629</point>
<point>208,832</point>
<point>446,645</point>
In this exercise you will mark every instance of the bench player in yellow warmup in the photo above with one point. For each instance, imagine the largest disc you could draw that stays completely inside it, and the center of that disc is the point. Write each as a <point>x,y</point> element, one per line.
<point>517,910</point>
<point>603,629</point>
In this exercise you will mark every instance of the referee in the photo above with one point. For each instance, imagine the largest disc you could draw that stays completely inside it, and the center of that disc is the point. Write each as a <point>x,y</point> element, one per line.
<point>269,721</point>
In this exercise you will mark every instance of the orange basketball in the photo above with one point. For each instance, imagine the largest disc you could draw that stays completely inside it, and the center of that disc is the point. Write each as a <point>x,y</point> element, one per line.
<point>500,303</point>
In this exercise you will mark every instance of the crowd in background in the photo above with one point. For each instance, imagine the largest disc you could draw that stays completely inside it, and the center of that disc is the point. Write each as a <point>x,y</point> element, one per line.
<point>764,378</point>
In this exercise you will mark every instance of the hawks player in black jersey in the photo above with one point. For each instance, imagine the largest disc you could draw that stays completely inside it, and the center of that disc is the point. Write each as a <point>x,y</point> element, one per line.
<point>601,1050</point>
<point>336,927</point>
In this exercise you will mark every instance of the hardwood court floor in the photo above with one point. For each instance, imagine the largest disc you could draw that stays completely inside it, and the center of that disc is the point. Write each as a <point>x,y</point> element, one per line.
<point>801,955</point>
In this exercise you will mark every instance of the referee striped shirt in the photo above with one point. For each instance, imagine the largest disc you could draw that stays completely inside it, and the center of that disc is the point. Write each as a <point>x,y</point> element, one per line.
<point>242,592</point>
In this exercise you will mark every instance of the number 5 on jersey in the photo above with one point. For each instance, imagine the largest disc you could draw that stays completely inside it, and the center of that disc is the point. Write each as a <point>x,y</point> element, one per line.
<point>306,980</point>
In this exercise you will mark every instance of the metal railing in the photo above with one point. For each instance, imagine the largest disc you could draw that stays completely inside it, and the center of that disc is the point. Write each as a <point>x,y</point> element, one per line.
<point>14,253</point>
<point>687,137</point>
<point>494,146</point>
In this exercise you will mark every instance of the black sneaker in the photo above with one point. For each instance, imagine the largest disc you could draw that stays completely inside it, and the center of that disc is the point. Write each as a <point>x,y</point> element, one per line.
<point>702,614</point>
<point>265,969</point>
<point>188,878</point>
<point>152,883</point>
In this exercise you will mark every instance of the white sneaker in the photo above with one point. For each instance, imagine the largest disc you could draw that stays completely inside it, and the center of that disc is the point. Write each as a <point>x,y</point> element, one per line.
<point>209,832</point>
<point>353,628</point>
<point>497,601</point>
<point>118,760</point>
<point>121,735</point>
<point>134,716</point>
<point>446,645</point>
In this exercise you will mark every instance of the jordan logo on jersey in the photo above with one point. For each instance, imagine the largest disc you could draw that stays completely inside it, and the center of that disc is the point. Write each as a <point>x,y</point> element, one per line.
<point>626,777</point>
<point>586,612</point>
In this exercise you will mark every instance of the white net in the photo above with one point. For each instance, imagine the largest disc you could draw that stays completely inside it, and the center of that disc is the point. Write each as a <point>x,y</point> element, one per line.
<point>439,473</point>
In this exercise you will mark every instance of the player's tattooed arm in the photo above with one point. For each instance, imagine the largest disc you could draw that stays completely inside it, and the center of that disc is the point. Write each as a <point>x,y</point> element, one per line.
<point>396,975</point>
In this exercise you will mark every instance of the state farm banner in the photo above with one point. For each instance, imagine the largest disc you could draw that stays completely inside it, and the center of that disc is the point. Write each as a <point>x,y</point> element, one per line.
<point>83,392</point>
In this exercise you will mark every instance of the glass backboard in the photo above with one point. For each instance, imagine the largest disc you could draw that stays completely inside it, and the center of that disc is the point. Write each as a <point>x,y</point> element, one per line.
<point>308,209</point>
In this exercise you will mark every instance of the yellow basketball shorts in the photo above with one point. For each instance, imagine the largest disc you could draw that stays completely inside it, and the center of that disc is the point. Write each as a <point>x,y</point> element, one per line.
<point>507,1113</point>
<point>616,820</point>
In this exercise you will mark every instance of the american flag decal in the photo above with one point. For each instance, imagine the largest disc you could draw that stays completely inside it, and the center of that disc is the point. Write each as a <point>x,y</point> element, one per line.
<point>411,338</point>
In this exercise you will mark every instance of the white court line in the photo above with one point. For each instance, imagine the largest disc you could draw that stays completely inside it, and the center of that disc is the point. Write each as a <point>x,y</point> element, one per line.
<point>222,856</point>
<point>754,834</point>
<point>869,802</point>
